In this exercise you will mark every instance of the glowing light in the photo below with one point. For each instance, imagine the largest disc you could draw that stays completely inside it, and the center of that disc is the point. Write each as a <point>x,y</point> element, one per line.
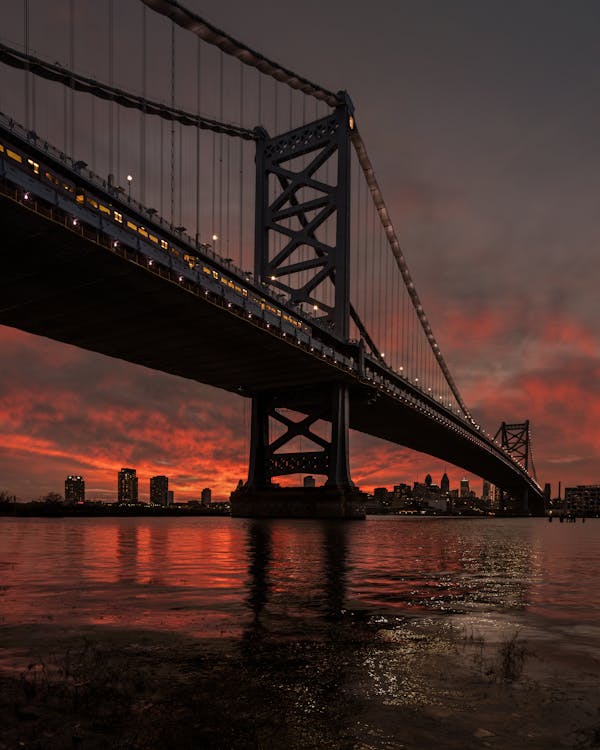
<point>215,237</point>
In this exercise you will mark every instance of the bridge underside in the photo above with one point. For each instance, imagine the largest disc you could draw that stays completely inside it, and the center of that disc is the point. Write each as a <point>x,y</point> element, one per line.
<point>57,284</point>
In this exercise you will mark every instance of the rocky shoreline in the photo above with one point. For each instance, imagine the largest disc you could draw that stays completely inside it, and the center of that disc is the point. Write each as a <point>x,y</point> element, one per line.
<point>415,685</point>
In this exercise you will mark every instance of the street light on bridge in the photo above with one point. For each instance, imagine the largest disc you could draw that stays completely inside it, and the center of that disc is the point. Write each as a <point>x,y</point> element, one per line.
<point>129,181</point>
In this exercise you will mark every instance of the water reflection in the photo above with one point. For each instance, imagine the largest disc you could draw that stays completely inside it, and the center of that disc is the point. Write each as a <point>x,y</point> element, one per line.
<point>441,566</point>
<point>159,554</point>
<point>259,554</point>
<point>288,595</point>
<point>335,543</point>
<point>225,577</point>
<point>127,552</point>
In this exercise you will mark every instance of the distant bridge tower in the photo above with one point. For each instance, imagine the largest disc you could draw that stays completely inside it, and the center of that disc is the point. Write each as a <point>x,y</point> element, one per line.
<point>516,439</point>
<point>290,185</point>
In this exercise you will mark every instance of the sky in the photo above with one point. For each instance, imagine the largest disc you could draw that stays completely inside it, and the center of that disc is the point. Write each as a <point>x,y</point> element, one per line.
<point>482,122</point>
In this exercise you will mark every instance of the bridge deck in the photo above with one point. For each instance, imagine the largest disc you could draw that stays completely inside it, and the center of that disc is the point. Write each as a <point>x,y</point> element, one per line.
<point>57,284</point>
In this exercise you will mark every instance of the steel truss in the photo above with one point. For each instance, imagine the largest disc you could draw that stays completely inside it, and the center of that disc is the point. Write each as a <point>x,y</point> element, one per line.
<point>516,439</point>
<point>332,460</point>
<point>280,169</point>
<point>278,165</point>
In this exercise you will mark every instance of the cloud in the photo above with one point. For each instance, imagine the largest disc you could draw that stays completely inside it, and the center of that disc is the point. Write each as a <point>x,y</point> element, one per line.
<point>64,410</point>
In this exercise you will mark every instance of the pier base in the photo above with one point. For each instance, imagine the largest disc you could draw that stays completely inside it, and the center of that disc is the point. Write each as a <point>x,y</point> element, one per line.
<point>298,502</point>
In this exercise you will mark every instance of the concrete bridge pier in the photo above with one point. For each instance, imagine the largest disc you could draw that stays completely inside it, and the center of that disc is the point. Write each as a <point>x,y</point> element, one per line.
<point>337,498</point>
<point>298,502</point>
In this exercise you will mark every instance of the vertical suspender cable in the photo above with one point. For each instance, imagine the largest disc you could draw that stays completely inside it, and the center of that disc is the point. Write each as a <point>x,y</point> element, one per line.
<point>404,331</point>
<point>214,179</point>
<point>395,306</point>
<point>180,196</point>
<point>72,67</point>
<point>32,88</point>
<point>118,141</point>
<point>143,112</point>
<point>221,186</point>
<point>172,212</point>
<point>260,102</point>
<point>386,309</point>
<point>418,354</point>
<point>162,169</point>
<point>360,255</point>
<point>354,269</point>
<point>111,144</point>
<point>380,295</point>
<point>410,348</point>
<point>27,73</point>
<point>228,195</point>
<point>65,120</point>
<point>93,130</point>
<point>241,178</point>
<point>371,255</point>
<point>198,101</point>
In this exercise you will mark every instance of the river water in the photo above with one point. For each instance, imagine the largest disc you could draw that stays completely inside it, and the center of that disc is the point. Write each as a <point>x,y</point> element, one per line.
<point>225,580</point>
<point>214,576</point>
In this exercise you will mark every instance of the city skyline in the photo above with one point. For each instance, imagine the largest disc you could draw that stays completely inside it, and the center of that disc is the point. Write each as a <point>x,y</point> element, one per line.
<point>490,174</point>
<point>159,493</point>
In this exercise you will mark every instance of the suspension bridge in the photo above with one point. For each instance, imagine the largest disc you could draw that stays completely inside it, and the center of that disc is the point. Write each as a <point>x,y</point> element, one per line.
<point>171,197</point>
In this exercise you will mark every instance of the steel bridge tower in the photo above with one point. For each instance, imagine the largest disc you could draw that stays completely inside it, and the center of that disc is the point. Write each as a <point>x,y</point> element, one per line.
<point>516,439</point>
<point>285,165</point>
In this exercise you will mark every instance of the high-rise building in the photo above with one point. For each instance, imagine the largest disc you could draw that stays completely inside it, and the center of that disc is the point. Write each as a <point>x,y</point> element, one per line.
<point>496,496</point>
<point>381,494</point>
<point>445,484</point>
<point>74,489</point>
<point>128,486</point>
<point>485,491</point>
<point>170,497</point>
<point>159,490</point>
<point>585,498</point>
<point>464,487</point>
<point>206,496</point>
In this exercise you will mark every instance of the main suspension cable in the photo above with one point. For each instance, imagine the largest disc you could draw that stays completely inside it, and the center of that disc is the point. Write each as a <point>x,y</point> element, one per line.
<point>212,35</point>
<point>57,73</point>
<point>394,243</point>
